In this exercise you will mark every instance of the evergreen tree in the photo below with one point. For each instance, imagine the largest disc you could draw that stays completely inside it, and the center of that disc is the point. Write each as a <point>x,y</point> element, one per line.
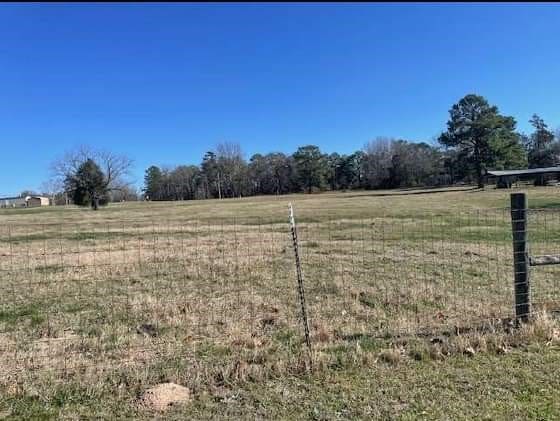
<point>88,185</point>
<point>541,148</point>
<point>311,166</point>
<point>153,183</point>
<point>482,135</point>
<point>213,178</point>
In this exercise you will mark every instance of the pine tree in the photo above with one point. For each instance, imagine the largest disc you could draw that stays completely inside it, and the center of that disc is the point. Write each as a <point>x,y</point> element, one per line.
<point>153,183</point>
<point>482,136</point>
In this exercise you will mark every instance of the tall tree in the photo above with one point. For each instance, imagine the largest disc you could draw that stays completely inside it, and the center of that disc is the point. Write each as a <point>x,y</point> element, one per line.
<point>353,170</point>
<point>414,164</point>
<point>260,175</point>
<point>232,169</point>
<point>311,166</point>
<point>334,163</point>
<point>377,162</point>
<point>283,172</point>
<point>153,183</point>
<point>481,134</point>
<point>541,148</point>
<point>212,175</point>
<point>184,182</point>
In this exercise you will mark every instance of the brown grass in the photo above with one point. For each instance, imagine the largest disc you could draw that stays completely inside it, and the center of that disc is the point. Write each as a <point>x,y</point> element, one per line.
<point>217,282</point>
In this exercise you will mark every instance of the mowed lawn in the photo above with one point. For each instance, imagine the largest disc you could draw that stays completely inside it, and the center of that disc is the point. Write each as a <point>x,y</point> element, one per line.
<point>409,293</point>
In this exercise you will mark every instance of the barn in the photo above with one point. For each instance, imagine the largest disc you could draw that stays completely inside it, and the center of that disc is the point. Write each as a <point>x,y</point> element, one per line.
<point>539,176</point>
<point>36,201</point>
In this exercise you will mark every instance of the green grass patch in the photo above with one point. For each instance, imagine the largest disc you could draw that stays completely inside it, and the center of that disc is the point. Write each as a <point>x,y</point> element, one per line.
<point>35,313</point>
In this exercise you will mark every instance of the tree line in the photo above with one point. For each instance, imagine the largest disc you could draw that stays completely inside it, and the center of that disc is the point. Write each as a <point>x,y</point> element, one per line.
<point>477,138</point>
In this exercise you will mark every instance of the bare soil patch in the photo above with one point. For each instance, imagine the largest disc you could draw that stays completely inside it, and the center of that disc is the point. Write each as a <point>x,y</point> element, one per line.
<point>164,396</point>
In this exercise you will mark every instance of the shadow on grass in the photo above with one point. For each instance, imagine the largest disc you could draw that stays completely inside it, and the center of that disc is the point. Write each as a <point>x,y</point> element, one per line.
<point>539,205</point>
<point>418,190</point>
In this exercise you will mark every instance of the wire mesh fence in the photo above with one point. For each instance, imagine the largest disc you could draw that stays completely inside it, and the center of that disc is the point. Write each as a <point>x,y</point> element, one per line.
<point>543,226</point>
<point>392,276</point>
<point>82,296</point>
<point>88,294</point>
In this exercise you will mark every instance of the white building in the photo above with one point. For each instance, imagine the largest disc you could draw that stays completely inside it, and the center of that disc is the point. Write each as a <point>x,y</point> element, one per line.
<point>24,202</point>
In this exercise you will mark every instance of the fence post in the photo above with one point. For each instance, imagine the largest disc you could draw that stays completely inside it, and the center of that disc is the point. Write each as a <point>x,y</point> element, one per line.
<point>300,285</point>
<point>520,256</point>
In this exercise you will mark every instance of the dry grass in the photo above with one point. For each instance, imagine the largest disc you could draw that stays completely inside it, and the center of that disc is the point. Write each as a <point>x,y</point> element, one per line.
<point>214,283</point>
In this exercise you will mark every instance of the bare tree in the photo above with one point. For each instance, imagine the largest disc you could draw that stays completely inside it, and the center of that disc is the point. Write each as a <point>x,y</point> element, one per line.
<point>232,169</point>
<point>116,168</point>
<point>378,154</point>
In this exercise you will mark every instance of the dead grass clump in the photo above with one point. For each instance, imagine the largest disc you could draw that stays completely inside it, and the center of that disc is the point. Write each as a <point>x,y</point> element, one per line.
<point>391,356</point>
<point>467,344</point>
<point>241,371</point>
<point>543,328</point>
<point>321,334</point>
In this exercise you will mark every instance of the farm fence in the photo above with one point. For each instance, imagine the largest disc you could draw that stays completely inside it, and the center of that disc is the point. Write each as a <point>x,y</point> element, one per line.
<point>89,295</point>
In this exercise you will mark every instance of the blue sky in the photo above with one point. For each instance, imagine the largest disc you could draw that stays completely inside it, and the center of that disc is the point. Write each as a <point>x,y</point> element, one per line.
<point>164,83</point>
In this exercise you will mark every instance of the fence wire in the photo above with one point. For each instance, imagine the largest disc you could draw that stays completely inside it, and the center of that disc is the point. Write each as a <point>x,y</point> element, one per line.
<point>92,293</point>
<point>81,296</point>
<point>408,275</point>
<point>543,227</point>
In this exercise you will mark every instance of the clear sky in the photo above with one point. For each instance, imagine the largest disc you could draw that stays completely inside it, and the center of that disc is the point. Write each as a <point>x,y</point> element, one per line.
<point>164,83</point>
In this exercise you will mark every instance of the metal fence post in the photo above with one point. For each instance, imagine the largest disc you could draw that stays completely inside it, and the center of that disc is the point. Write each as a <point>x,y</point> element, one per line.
<point>300,285</point>
<point>520,256</point>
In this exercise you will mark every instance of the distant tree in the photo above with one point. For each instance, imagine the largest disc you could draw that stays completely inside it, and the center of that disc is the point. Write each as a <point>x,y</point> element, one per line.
<point>88,185</point>
<point>212,177</point>
<point>260,175</point>
<point>153,183</point>
<point>353,170</point>
<point>542,136</point>
<point>481,135</point>
<point>455,166</point>
<point>232,169</point>
<point>184,181</point>
<point>311,166</point>
<point>542,149</point>
<point>377,162</point>
<point>124,194</point>
<point>115,168</point>
<point>345,171</point>
<point>283,172</point>
<point>391,163</point>
<point>414,164</point>
<point>334,162</point>
<point>507,152</point>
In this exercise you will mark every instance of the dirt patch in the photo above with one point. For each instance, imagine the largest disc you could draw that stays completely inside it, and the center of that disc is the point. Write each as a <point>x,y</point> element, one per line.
<point>164,396</point>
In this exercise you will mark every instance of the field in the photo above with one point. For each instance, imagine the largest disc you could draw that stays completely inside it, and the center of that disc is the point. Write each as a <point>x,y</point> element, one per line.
<point>409,295</point>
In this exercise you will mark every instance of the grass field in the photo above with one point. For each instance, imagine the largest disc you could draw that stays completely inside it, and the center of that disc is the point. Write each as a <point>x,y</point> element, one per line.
<point>409,295</point>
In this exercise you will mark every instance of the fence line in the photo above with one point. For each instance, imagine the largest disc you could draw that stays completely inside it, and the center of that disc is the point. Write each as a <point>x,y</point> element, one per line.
<point>90,294</point>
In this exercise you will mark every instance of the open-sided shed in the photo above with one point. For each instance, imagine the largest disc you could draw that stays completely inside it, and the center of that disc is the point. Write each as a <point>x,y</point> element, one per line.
<point>505,178</point>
